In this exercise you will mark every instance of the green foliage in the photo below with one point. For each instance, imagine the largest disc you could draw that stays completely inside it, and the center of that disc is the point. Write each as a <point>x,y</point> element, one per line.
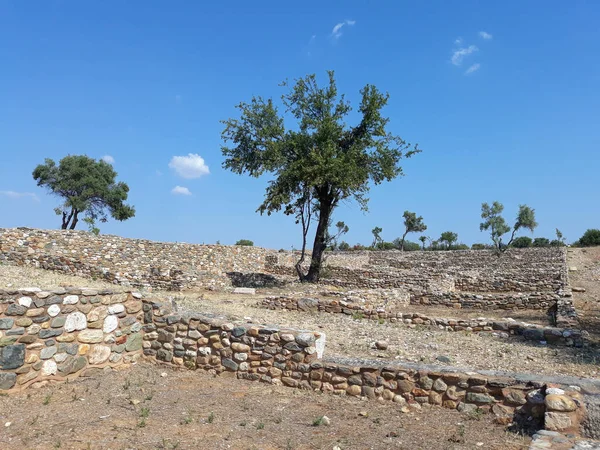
<point>245,242</point>
<point>344,246</point>
<point>331,239</point>
<point>376,236</point>
<point>412,224</point>
<point>448,238</point>
<point>411,246</point>
<point>423,240</point>
<point>87,187</point>
<point>560,239</point>
<point>493,221</point>
<point>541,242</point>
<point>319,162</point>
<point>92,228</point>
<point>479,247</point>
<point>460,246</point>
<point>590,237</point>
<point>522,242</point>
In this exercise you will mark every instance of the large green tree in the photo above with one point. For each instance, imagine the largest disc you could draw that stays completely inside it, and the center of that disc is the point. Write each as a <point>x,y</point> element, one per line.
<point>320,161</point>
<point>495,223</point>
<point>87,187</point>
<point>412,224</point>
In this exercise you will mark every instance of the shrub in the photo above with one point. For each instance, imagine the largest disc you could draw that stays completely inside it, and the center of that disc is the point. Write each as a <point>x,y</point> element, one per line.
<point>589,238</point>
<point>522,242</point>
<point>246,242</point>
<point>411,246</point>
<point>344,246</point>
<point>479,247</point>
<point>541,242</point>
<point>461,247</point>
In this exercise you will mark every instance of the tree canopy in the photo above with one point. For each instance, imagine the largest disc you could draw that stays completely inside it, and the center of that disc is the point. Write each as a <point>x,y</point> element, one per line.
<point>86,186</point>
<point>412,224</point>
<point>319,162</point>
<point>495,223</point>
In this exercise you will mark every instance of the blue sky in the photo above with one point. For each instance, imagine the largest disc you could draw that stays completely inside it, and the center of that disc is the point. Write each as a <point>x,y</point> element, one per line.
<point>503,98</point>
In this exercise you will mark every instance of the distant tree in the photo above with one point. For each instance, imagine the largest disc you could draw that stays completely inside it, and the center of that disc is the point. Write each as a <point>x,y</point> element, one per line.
<point>494,222</point>
<point>541,242</point>
<point>461,246</point>
<point>423,239</point>
<point>559,241</point>
<point>590,238</point>
<point>321,161</point>
<point>245,242</point>
<point>479,247</point>
<point>332,238</point>
<point>412,224</point>
<point>448,238</point>
<point>376,236</point>
<point>87,187</point>
<point>344,246</point>
<point>522,242</point>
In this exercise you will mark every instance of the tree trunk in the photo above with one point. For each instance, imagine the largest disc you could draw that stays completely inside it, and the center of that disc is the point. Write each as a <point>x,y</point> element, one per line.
<point>325,209</point>
<point>66,219</point>
<point>75,220</point>
<point>403,237</point>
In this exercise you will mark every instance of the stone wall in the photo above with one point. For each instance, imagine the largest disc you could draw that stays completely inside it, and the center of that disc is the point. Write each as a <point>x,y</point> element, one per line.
<point>504,328</point>
<point>176,265</point>
<point>293,358</point>
<point>62,333</point>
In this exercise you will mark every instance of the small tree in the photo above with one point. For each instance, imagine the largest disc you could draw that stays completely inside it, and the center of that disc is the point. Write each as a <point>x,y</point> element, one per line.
<point>590,238</point>
<point>449,238</point>
<point>423,240</point>
<point>245,242</point>
<point>320,161</point>
<point>494,222</point>
<point>87,187</point>
<point>341,229</point>
<point>412,224</point>
<point>376,236</point>
<point>559,241</point>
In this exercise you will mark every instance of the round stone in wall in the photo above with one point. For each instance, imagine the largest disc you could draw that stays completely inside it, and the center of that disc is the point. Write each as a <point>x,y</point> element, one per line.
<point>53,310</point>
<point>25,301</point>
<point>99,354</point>
<point>110,324</point>
<point>71,300</point>
<point>49,368</point>
<point>116,309</point>
<point>75,321</point>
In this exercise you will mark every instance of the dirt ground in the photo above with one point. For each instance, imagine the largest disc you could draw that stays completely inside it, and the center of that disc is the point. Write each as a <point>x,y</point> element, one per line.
<point>586,261</point>
<point>138,408</point>
<point>356,338</point>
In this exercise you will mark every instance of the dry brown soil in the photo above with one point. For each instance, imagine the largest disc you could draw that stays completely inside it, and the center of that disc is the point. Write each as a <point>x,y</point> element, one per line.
<point>138,408</point>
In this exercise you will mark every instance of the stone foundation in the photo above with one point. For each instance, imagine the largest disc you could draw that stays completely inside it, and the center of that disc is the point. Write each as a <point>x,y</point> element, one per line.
<point>505,328</point>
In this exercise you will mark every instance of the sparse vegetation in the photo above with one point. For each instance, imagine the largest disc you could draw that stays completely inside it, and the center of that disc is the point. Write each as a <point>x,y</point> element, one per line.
<point>590,238</point>
<point>245,242</point>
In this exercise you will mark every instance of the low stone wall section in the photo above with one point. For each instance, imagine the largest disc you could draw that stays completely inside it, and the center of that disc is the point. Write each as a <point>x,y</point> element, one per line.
<point>551,335</point>
<point>62,333</point>
<point>292,358</point>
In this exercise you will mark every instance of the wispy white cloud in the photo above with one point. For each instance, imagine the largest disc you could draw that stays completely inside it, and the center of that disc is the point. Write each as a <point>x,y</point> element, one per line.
<point>458,41</point>
<point>459,54</point>
<point>19,195</point>
<point>485,35</point>
<point>473,68</point>
<point>108,159</point>
<point>180,190</point>
<point>190,166</point>
<point>336,33</point>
